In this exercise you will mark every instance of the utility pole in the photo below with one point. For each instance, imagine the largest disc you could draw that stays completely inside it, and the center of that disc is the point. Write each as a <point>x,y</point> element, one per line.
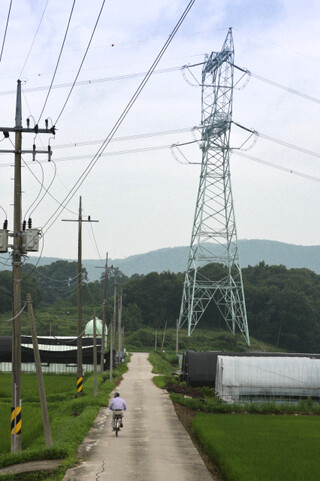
<point>177,337</point>
<point>112,329</point>
<point>18,246</point>
<point>80,220</point>
<point>164,335</point>
<point>95,381</point>
<point>119,325</point>
<point>37,361</point>
<point>104,312</point>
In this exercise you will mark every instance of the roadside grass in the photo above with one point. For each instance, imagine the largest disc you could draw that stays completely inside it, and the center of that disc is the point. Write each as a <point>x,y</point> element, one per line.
<point>161,362</point>
<point>211,404</point>
<point>70,419</point>
<point>164,363</point>
<point>261,448</point>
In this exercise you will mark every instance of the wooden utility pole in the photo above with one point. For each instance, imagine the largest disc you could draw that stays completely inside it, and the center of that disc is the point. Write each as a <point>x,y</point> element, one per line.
<point>16,414</point>
<point>95,381</point>
<point>16,442</point>
<point>37,360</point>
<point>119,325</point>
<point>80,220</point>
<point>164,336</point>
<point>104,314</point>
<point>177,337</point>
<point>112,328</point>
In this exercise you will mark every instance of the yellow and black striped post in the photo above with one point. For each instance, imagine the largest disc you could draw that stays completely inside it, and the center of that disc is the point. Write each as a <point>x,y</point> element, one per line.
<point>16,420</point>
<point>79,385</point>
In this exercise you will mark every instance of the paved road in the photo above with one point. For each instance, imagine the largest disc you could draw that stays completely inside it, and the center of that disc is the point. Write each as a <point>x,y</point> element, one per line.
<point>153,445</point>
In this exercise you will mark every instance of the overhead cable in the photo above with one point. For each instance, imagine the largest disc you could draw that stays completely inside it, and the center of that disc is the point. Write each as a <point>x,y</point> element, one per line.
<point>5,31</point>
<point>34,38</point>
<point>82,61</point>
<point>17,315</point>
<point>278,85</point>
<point>279,141</point>
<point>58,61</point>
<point>52,219</point>
<point>93,81</point>
<point>275,166</point>
<point>47,189</point>
<point>95,241</point>
<point>127,137</point>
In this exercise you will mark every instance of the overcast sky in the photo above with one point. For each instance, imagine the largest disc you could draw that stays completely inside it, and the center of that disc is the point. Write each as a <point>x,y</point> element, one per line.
<point>146,200</point>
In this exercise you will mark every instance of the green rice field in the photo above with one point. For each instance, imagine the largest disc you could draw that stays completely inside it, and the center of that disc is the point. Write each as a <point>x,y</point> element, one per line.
<point>70,417</point>
<point>262,447</point>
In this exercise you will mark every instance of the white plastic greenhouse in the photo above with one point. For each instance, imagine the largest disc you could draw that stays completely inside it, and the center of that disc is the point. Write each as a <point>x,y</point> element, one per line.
<point>240,379</point>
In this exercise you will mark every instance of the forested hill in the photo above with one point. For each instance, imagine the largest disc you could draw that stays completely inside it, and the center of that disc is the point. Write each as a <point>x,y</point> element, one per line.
<point>174,259</point>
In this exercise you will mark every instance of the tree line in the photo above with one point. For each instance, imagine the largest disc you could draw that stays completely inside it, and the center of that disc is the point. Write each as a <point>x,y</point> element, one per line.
<point>283,304</point>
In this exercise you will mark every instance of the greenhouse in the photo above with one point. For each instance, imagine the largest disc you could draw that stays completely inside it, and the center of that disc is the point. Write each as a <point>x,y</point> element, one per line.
<point>248,379</point>
<point>58,354</point>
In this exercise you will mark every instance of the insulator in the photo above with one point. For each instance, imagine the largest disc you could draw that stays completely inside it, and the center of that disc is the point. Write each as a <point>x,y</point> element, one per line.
<point>5,224</point>
<point>36,128</point>
<point>89,218</point>
<point>29,223</point>
<point>28,123</point>
<point>24,225</point>
<point>49,153</point>
<point>46,122</point>
<point>34,152</point>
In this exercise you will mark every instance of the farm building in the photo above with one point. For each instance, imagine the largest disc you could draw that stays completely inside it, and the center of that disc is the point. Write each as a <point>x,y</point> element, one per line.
<point>89,328</point>
<point>57,354</point>
<point>199,367</point>
<point>243,379</point>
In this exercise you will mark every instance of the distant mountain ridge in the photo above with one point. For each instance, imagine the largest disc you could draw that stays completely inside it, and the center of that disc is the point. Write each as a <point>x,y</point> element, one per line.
<point>175,258</point>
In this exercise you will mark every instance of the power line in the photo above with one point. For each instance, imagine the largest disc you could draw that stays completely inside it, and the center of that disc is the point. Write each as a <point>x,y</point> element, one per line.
<point>278,85</point>
<point>34,38</point>
<point>127,137</point>
<point>5,31</point>
<point>116,126</point>
<point>83,59</point>
<point>117,152</point>
<point>94,81</point>
<point>58,61</point>
<point>47,189</point>
<point>279,141</point>
<point>275,166</point>
<point>95,242</point>
<point>17,315</point>
<point>39,193</point>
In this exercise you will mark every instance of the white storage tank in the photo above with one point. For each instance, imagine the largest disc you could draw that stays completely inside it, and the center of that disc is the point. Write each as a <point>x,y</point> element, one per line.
<point>241,379</point>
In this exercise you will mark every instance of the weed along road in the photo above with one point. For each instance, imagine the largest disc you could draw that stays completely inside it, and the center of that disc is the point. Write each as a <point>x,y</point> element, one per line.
<point>153,445</point>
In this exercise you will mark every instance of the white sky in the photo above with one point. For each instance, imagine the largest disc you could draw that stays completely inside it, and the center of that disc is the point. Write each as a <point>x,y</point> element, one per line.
<point>145,201</point>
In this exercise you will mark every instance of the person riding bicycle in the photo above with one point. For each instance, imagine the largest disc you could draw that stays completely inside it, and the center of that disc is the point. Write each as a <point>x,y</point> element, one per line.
<point>117,405</point>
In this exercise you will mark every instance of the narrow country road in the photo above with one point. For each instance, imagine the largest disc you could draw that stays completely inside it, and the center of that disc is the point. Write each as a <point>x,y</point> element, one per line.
<point>152,446</point>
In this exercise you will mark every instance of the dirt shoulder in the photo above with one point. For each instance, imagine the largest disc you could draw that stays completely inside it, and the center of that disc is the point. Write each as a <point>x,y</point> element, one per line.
<point>186,416</point>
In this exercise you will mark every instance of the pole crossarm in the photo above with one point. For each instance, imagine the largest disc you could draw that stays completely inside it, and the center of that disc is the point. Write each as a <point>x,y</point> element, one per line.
<point>35,130</point>
<point>214,236</point>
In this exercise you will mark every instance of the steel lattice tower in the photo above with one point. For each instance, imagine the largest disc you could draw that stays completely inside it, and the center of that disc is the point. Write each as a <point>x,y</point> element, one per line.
<point>214,220</point>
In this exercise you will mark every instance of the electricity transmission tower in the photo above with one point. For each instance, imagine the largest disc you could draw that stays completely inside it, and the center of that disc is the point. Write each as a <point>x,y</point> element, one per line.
<point>214,236</point>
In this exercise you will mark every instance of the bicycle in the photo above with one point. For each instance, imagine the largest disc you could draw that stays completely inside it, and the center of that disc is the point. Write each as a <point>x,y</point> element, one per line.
<point>117,423</point>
